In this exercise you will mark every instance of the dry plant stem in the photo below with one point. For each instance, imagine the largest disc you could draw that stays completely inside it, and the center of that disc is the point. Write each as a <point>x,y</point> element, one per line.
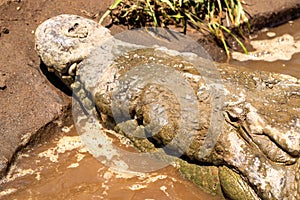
<point>201,14</point>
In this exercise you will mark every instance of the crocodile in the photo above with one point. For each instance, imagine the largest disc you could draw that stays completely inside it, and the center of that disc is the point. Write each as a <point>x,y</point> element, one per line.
<point>250,150</point>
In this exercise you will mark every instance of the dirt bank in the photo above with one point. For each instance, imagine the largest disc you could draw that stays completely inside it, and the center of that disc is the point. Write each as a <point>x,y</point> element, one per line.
<point>32,108</point>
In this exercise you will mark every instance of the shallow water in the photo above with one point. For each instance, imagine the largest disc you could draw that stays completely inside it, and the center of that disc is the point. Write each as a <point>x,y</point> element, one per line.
<point>290,67</point>
<point>62,169</point>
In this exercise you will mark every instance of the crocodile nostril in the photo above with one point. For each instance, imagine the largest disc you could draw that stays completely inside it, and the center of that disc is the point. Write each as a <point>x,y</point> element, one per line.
<point>73,27</point>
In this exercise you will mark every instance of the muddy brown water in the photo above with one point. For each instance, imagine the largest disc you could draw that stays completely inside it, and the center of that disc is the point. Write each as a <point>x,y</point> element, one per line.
<point>63,169</point>
<point>290,67</point>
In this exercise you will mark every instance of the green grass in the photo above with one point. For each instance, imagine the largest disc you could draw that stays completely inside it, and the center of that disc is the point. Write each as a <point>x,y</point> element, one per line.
<point>218,17</point>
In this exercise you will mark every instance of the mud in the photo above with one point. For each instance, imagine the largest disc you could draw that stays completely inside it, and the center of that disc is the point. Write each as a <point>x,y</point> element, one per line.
<point>31,107</point>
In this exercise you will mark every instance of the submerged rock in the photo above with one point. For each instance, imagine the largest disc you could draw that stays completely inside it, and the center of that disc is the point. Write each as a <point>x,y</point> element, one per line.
<point>244,123</point>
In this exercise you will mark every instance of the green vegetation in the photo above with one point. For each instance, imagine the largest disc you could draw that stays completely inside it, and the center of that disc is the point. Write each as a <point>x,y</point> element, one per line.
<point>216,16</point>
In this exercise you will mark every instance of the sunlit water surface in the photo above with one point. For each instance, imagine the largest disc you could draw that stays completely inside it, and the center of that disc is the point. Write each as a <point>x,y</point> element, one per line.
<point>280,48</point>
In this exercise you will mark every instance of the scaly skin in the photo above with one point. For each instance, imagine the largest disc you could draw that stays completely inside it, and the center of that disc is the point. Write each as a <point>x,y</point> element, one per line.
<point>257,152</point>
<point>263,150</point>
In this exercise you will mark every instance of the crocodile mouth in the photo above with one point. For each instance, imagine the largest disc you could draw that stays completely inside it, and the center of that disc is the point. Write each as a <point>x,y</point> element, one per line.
<point>68,75</point>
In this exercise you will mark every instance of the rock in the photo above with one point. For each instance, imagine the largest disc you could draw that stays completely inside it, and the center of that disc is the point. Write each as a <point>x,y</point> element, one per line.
<point>245,120</point>
<point>263,15</point>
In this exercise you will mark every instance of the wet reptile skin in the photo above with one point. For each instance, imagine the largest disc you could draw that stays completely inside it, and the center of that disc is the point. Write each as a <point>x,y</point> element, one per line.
<point>260,140</point>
